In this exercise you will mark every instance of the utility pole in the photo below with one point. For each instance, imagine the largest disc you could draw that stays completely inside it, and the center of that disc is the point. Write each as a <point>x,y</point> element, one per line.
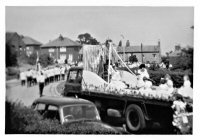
<point>123,47</point>
<point>142,51</point>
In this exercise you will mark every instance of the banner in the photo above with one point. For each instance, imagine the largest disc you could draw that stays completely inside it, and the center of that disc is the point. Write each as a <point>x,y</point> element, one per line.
<point>93,55</point>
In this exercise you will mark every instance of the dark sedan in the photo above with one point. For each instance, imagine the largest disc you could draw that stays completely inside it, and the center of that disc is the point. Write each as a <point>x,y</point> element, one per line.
<point>70,111</point>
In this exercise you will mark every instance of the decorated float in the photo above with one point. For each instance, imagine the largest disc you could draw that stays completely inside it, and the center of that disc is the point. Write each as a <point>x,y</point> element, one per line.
<point>136,105</point>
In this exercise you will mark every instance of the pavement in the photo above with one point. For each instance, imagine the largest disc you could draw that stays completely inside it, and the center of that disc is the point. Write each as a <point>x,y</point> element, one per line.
<point>26,95</point>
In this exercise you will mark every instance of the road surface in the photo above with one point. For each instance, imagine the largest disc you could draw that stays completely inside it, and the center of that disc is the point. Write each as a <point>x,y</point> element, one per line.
<point>26,95</point>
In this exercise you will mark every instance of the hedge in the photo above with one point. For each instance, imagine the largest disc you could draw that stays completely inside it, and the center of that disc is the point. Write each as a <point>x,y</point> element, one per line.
<point>24,120</point>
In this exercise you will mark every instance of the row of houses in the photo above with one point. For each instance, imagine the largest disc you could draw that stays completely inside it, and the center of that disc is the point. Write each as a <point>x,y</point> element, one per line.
<point>63,48</point>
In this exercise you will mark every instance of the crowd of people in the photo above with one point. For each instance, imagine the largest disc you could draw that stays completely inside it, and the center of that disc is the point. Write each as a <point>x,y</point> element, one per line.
<point>43,77</point>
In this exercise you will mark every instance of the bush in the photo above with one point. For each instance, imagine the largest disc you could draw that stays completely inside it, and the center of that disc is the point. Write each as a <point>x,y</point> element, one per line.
<point>12,71</point>
<point>133,58</point>
<point>32,58</point>
<point>11,56</point>
<point>23,120</point>
<point>45,60</point>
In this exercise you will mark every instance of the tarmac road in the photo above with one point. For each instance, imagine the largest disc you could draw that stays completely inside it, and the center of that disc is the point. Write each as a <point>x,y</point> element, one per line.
<point>26,95</point>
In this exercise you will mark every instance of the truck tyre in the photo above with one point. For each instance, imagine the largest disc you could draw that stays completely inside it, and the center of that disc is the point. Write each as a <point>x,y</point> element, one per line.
<point>135,121</point>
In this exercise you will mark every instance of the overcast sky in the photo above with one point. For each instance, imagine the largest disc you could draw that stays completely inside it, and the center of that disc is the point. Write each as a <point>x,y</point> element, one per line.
<point>147,25</point>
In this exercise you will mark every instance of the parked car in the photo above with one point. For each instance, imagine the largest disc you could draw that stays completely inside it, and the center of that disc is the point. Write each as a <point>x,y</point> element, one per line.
<point>70,111</point>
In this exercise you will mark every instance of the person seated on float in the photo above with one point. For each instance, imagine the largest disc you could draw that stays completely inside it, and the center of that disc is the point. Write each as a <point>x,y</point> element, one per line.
<point>140,82</point>
<point>169,83</point>
<point>143,71</point>
<point>163,84</point>
<point>146,89</point>
<point>116,78</point>
<point>186,90</point>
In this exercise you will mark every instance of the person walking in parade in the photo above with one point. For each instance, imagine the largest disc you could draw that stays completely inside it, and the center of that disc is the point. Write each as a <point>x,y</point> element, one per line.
<point>23,78</point>
<point>41,83</point>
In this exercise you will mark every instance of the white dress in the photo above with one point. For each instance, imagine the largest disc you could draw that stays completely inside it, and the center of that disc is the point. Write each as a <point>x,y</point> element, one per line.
<point>143,73</point>
<point>186,90</point>
<point>116,81</point>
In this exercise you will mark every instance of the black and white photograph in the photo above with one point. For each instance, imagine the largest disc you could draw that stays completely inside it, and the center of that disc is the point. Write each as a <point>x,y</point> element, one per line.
<point>108,70</point>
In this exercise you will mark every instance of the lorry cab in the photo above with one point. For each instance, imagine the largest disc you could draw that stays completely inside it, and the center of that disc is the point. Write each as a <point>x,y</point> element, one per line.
<point>73,82</point>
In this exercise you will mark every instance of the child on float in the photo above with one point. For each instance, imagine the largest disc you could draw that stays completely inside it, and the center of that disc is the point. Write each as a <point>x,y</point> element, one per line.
<point>146,88</point>
<point>186,90</point>
<point>169,83</point>
<point>163,85</point>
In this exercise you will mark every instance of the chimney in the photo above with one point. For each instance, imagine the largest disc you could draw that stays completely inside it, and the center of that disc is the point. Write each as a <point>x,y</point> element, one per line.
<point>61,37</point>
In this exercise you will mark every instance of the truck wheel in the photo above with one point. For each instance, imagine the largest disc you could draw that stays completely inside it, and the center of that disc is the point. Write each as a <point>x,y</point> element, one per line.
<point>135,121</point>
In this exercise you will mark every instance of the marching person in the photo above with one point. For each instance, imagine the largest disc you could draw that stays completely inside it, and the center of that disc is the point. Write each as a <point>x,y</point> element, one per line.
<point>63,73</point>
<point>29,77</point>
<point>23,78</point>
<point>34,75</point>
<point>41,80</point>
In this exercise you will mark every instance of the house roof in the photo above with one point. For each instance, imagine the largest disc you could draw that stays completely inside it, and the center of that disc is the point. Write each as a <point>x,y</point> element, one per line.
<point>13,35</point>
<point>30,41</point>
<point>61,42</point>
<point>147,48</point>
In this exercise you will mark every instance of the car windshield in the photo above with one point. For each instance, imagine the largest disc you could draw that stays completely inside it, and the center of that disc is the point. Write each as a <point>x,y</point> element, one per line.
<point>80,112</point>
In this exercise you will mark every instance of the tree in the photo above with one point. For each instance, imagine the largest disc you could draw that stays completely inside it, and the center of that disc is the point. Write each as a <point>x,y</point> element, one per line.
<point>86,38</point>
<point>45,60</point>
<point>184,61</point>
<point>133,58</point>
<point>127,43</point>
<point>120,43</point>
<point>32,58</point>
<point>11,56</point>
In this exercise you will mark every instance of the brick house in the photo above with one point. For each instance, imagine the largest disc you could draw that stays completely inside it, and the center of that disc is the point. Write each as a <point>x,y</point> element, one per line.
<point>62,48</point>
<point>31,45</point>
<point>144,53</point>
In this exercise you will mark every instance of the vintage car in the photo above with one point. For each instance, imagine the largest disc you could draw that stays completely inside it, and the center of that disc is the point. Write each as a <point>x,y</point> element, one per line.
<point>70,110</point>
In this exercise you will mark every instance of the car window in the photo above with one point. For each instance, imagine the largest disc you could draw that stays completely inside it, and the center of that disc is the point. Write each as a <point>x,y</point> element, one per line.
<point>80,112</point>
<point>72,76</point>
<point>79,76</point>
<point>52,107</point>
<point>40,106</point>
<point>51,113</point>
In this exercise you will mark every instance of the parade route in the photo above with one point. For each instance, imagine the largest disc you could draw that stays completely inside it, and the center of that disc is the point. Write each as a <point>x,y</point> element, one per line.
<point>17,93</point>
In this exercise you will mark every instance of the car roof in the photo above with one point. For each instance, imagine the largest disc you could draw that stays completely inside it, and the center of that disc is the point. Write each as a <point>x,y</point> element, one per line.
<point>61,101</point>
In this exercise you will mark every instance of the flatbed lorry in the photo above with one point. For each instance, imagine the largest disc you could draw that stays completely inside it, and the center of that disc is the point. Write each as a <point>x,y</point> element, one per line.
<point>137,113</point>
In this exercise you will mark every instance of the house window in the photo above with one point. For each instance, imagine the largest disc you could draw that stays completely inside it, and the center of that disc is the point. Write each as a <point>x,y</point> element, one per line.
<point>51,50</point>
<point>62,49</point>
<point>154,55</point>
